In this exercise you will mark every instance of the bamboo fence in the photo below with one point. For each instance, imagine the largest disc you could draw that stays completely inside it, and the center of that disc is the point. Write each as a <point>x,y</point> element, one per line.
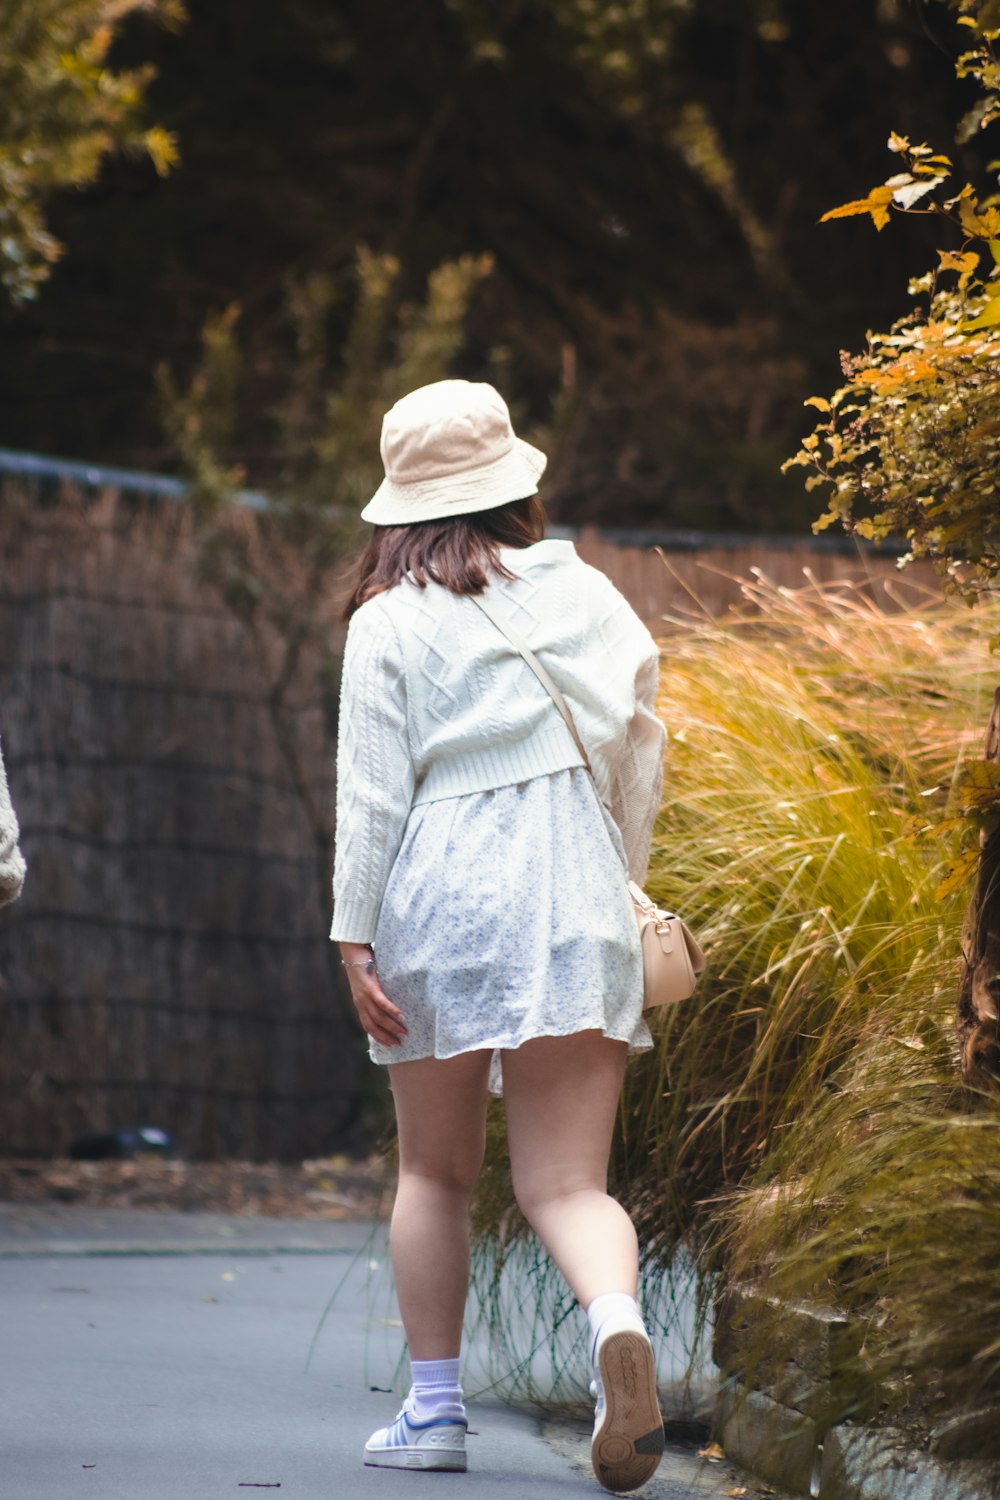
<point>681,581</point>
<point>168,962</point>
<point>172,767</point>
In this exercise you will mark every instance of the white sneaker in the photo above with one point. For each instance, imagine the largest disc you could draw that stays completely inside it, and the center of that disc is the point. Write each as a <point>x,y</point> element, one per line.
<point>409,1444</point>
<point>628,1424</point>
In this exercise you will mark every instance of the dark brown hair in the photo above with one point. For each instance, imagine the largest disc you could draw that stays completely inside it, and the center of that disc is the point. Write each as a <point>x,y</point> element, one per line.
<point>459,551</point>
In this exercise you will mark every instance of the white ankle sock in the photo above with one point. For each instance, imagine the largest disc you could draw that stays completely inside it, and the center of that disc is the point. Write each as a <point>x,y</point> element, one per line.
<point>436,1389</point>
<point>618,1305</point>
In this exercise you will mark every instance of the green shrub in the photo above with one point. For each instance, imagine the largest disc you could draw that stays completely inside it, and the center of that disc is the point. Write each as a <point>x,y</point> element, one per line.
<point>908,446</point>
<point>63,111</point>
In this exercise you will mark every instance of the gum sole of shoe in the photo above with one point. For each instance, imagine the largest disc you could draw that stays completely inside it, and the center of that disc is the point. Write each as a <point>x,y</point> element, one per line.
<point>627,1446</point>
<point>416,1458</point>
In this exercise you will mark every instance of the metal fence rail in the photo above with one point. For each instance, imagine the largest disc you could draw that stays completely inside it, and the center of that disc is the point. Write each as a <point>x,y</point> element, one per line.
<point>671,539</point>
<point>102,476</point>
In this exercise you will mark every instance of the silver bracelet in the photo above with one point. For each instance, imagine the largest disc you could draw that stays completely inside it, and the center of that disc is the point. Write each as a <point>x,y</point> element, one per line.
<point>368,964</point>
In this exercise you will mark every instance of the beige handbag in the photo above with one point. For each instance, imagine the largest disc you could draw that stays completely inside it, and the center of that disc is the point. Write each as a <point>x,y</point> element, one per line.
<point>671,956</point>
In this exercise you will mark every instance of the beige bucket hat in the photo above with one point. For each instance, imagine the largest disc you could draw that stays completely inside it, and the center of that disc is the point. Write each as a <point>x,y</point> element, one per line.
<point>449,449</point>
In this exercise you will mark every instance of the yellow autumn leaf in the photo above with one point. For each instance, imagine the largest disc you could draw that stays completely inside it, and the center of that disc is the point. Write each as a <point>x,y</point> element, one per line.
<point>903,372</point>
<point>958,875</point>
<point>99,43</point>
<point>162,147</point>
<point>956,260</point>
<point>876,204</point>
<point>989,318</point>
<point>820,402</point>
<point>983,223</point>
<point>965,262</point>
<point>980,776</point>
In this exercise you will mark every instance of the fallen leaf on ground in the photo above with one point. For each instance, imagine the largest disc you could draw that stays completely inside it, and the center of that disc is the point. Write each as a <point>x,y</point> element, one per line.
<point>713,1453</point>
<point>347,1188</point>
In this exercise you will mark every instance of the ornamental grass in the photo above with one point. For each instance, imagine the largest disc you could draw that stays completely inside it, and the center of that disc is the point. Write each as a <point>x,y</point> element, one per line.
<point>801,1123</point>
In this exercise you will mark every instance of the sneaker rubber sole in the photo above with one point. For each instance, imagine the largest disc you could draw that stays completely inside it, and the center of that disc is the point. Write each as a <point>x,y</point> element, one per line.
<point>628,1443</point>
<point>416,1458</point>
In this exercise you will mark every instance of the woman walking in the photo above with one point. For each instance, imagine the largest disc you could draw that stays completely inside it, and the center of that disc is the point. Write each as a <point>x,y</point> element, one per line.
<point>480,894</point>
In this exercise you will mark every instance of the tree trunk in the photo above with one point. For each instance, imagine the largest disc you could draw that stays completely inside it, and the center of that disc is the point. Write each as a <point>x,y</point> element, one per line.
<point>979,995</point>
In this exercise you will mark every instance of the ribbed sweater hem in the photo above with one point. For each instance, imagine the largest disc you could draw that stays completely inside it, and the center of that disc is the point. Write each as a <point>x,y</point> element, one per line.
<point>353,922</point>
<point>500,765</point>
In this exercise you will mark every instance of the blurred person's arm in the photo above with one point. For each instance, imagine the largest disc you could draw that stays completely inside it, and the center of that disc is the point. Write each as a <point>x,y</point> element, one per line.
<point>12,865</point>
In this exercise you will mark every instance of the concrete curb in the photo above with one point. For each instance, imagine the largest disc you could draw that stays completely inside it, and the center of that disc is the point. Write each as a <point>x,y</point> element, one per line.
<point>779,1444</point>
<point>794,1405</point>
<point>859,1463</point>
<point>786,1448</point>
<point>71,1230</point>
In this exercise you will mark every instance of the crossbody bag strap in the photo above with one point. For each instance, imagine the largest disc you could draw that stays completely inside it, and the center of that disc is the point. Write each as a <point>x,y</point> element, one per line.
<point>521,645</point>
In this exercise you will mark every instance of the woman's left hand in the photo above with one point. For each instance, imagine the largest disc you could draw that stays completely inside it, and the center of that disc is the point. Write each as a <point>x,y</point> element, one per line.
<point>382,1020</point>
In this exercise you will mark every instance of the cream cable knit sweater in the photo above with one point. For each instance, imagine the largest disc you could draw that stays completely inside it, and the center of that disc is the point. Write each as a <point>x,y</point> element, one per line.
<point>12,866</point>
<point>435,702</point>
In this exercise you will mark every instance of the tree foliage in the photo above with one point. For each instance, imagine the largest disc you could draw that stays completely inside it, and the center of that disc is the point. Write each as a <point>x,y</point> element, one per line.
<point>63,109</point>
<point>280,568</point>
<point>646,176</point>
<point>325,430</point>
<point>910,444</point>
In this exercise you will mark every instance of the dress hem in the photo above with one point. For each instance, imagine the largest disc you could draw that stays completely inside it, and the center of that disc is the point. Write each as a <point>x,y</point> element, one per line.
<point>612,1035</point>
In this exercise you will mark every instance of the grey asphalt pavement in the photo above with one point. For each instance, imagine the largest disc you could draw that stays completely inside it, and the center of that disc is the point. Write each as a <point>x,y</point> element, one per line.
<point>131,1372</point>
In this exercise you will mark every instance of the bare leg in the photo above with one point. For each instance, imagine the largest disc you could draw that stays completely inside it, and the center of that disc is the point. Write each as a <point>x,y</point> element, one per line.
<point>561,1096</point>
<point>441,1115</point>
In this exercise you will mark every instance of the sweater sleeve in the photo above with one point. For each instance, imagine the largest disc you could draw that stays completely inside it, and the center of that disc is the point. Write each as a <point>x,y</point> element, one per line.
<point>12,865</point>
<point>637,779</point>
<point>375,778</point>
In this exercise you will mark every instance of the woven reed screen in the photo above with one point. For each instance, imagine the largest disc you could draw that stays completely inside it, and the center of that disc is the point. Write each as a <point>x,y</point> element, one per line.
<point>691,583</point>
<point>169,961</point>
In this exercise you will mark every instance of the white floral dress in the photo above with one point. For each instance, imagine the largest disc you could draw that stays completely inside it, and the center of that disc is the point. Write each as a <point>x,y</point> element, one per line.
<point>507,916</point>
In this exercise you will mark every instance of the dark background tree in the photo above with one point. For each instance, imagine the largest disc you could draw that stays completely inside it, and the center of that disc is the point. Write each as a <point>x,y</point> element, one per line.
<point>647,177</point>
<point>63,110</point>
